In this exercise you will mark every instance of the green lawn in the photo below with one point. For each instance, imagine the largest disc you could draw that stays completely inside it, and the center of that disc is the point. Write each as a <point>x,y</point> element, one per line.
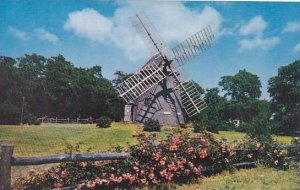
<point>238,136</point>
<point>249,179</point>
<point>53,138</point>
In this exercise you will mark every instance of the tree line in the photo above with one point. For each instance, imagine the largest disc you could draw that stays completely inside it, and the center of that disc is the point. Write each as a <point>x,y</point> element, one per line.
<point>54,87</point>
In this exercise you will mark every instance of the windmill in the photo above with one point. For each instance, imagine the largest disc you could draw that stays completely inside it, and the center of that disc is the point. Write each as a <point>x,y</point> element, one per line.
<point>159,90</point>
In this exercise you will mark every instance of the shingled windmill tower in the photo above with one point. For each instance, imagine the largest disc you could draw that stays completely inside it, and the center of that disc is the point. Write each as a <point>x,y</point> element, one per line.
<point>158,90</point>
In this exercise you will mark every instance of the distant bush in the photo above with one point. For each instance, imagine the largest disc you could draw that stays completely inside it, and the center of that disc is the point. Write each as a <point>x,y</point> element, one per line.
<point>151,125</point>
<point>104,122</point>
<point>198,126</point>
<point>294,151</point>
<point>32,120</point>
<point>226,126</point>
<point>259,128</point>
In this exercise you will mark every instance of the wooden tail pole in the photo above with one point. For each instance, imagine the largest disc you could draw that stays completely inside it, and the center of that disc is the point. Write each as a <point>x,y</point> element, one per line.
<point>5,166</point>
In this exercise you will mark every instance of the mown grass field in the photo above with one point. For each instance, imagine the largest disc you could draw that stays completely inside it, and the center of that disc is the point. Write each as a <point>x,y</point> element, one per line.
<point>53,139</point>
<point>249,179</point>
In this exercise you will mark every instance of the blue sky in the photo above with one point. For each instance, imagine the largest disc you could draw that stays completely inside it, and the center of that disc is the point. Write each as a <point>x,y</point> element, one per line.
<point>257,36</point>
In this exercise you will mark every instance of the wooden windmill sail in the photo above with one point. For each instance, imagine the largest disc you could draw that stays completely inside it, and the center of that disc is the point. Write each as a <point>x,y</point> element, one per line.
<point>158,90</point>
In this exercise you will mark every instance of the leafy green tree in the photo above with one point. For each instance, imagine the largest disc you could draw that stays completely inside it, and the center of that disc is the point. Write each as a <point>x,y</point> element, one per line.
<point>10,96</point>
<point>32,84</point>
<point>284,90</point>
<point>212,117</point>
<point>242,86</point>
<point>243,89</point>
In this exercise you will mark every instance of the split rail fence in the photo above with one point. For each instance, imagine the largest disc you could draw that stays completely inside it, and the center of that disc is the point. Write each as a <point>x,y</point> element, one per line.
<point>67,120</point>
<point>7,161</point>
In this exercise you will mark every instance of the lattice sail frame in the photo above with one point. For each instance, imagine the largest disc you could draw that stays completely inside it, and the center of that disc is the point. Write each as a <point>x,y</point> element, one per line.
<point>191,99</point>
<point>148,32</point>
<point>152,73</point>
<point>142,81</point>
<point>193,46</point>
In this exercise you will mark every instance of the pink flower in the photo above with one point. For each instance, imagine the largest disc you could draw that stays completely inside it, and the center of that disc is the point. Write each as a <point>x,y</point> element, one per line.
<point>204,142</point>
<point>276,162</point>
<point>136,168</point>
<point>187,172</point>
<point>119,180</point>
<point>258,144</point>
<point>63,174</point>
<point>250,155</point>
<point>172,167</point>
<point>156,156</point>
<point>162,163</point>
<point>173,148</point>
<point>126,176</point>
<point>190,150</point>
<point>98,181</point>
<point>169,177</point>
<point>91,184</point>
<point>202,154</point>
<point>196,171</point>
<point>163,173</point>
<point>151,176</point>
<point>176,140</point>
<point>58,185</point>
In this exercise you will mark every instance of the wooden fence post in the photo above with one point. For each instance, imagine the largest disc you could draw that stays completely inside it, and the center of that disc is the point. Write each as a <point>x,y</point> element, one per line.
<point>5,166</point>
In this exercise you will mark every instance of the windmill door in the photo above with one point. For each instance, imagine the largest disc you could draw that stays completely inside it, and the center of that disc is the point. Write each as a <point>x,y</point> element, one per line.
<point>128,113</point>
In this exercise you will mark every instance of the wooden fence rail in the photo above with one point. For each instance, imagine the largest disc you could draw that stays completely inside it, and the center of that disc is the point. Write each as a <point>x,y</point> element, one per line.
<point>7,160</point>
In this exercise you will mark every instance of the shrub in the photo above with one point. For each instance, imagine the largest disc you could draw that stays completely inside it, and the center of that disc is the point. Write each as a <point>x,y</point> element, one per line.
<point>295,150</point>
<point>259,128</point>
<point>152,163</point>
<point>224,126</point>
<point>199,126</point>
<point>151,125</point>
<point>32,120</point>
<point>104,122</point>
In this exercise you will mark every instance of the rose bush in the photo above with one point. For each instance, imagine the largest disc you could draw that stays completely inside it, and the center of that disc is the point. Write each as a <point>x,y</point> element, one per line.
<point>177,158</point>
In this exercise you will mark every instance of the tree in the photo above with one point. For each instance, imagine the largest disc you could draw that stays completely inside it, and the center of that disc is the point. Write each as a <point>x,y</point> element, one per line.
<point>244,90</point>
<point>212,118</point>
<point>120,77</point>
<point>242,86</point>
<point>284,90</point>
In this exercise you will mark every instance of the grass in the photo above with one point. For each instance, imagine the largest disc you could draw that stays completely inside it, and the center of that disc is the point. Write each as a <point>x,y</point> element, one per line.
<point>238,136</point>
<point>53,138</point>
<point>249,179</point>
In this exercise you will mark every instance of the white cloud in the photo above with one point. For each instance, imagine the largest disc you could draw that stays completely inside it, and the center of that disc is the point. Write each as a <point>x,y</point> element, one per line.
<point>292,27</point>
<point>258,43</point>
<point>174,22</point>
<point>44,35</point>
<point>297,48</point>
<point>19,34</point>
<point>90,24</point>
<point>255,26</point>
